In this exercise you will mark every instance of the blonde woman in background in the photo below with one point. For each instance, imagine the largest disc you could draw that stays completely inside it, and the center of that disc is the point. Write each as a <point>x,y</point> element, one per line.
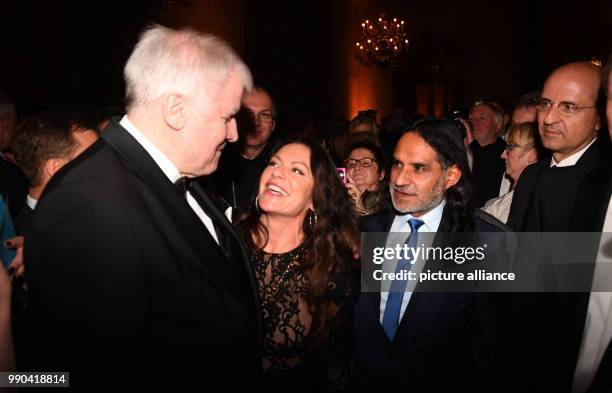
<point>523,148</point>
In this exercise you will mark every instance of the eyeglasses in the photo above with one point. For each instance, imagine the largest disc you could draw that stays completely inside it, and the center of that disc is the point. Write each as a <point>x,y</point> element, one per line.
<point>363,162</point>
<point>565,108</point>
<point>263,116</point>
<point>510,146</point>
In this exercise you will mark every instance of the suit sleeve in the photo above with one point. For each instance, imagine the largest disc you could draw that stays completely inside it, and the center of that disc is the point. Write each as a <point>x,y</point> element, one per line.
<point>88,288</point>
<point>522,197</point>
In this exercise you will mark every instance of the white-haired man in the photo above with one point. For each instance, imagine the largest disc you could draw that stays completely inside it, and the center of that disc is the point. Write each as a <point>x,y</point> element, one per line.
<point>134,274</point>
<point>488,169</point>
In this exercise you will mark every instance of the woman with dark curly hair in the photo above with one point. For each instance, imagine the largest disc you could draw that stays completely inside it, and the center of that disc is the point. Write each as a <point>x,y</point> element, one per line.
<point>302,238</point>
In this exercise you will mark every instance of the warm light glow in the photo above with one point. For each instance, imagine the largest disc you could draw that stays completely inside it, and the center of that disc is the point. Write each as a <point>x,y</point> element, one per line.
<point>422,94</point>
<point>386,41</point>
<point>439,99</point>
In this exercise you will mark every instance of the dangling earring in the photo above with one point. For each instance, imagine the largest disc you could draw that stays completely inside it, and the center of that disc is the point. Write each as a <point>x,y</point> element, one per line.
<point>316,219</point>
<point>257,203</point>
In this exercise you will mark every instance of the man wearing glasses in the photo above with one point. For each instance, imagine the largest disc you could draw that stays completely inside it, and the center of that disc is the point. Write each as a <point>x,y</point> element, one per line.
<point>242,164</point>
<point>568,122</point>
<point>545,329</point>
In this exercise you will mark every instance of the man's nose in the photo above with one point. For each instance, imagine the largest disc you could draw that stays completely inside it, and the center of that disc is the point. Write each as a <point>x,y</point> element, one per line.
<point>232,131</point>
<point>550,115</point>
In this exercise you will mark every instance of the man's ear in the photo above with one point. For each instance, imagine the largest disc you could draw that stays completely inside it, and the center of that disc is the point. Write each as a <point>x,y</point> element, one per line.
<point>382,175</point>
<point>52,165</point>
<point>453,174</point>
<point>175,111</point>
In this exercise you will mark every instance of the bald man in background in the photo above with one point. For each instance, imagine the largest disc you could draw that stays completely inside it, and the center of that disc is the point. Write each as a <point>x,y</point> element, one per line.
<point>543,335</point>
<point>569,124</point>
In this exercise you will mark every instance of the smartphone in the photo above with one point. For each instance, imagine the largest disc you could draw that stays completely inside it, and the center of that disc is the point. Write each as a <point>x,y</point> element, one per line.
<point>342,174</point>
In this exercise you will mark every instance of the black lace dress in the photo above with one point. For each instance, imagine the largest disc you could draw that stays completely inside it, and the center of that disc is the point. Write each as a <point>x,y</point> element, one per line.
<point>289,362</point>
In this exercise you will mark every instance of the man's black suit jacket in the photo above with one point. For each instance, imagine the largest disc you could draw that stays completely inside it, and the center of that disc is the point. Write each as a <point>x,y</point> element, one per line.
<point>524,192</point>
<point>126,282</point>
<point>543,331</point>
<point>445,341</point>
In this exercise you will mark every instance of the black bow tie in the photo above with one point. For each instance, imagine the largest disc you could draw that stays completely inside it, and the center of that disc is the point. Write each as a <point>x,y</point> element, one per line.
<point>182,183</point>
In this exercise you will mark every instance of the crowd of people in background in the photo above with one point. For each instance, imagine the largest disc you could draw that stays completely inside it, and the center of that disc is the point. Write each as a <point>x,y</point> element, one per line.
<point>189,236</point>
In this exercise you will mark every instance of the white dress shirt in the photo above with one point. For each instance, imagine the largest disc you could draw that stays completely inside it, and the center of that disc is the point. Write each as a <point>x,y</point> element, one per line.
<point>31,202</point>
<point>571,160</point>
<point>598,325</point>
<point>431,222</point>
<point>499,207</point>
<point>170,170</point>
<point>504,187</point>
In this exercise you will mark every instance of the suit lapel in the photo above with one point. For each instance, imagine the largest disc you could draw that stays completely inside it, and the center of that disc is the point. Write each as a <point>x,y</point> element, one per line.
<point>440,240</point>
<point>169,198</point>
<point>523,194</point>
<point>239,250</point>
<point>385,221</point>
<point>379,222</point>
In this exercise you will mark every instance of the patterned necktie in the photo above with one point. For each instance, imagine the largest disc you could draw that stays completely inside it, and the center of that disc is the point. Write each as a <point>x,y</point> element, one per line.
<point>393,307</point>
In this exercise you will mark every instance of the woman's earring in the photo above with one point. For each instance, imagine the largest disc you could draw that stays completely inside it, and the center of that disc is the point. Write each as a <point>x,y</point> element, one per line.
<point>316,219</point>
<point>257,203</point>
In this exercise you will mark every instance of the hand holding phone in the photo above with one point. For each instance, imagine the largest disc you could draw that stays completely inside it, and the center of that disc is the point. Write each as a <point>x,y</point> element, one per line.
<point>342,174</point>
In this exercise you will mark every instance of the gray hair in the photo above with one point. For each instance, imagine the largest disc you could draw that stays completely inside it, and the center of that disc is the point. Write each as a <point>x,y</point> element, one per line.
<point>179,61</point>
<point>498,112</point>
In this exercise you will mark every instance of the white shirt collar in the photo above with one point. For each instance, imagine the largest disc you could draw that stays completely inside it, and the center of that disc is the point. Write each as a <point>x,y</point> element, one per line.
<point>571,160</point>
<point>164,163</point>
<point>31,202</point>
<point>431,220</point>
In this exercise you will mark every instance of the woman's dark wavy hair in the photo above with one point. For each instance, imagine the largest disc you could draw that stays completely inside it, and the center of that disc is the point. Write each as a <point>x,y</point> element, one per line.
<point>445,138</point>
<point>329,244</point>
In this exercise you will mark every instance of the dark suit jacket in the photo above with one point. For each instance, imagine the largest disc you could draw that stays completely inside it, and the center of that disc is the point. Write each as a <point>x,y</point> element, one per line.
<point>23,219</point>
<point>543,331</point>
<point>127,282</point>
<point>13,187</point>
<point>524,191</point>
<point>442,339</point>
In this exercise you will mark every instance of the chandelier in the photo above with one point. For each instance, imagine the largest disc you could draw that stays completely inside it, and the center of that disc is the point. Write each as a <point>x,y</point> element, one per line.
<point>381,42</point>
